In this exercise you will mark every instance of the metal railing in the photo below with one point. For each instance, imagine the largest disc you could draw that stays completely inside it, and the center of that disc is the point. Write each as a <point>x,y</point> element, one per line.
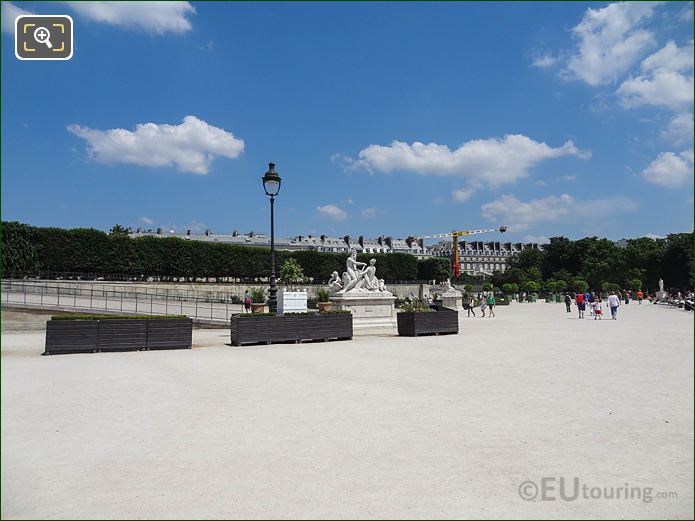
<point>150,301</point>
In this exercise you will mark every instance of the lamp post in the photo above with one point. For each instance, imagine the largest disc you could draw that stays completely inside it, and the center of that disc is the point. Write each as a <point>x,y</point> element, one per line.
<point>271,185</point>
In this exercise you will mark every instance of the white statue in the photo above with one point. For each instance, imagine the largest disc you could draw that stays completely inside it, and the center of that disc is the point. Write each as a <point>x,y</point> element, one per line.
<point>359,277</point>
<point>335,284</point>
<point>661,285</point>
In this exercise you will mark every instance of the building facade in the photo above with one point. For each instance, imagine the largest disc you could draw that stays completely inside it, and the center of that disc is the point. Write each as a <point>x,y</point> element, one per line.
<point>321,243</point>
<point>482,257</point>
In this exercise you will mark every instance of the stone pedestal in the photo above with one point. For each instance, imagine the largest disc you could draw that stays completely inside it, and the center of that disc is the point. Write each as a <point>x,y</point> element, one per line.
<point>452,299</point>
<point>662,295</point>
<point>369,309</point>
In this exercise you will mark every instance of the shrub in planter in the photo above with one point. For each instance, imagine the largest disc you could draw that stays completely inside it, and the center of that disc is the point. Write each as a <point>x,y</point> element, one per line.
<point>323,302</point>
<point>416,323</point>
<point>291,327</point>
<point>501,300</point>
<point>90,333</point>
<point>257,300</point>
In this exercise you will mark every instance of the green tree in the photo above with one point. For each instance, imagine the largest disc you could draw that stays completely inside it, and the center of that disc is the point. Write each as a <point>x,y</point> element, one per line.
<point>579,285</point>
<point>19,255</point>
<point>677,264</point>
<point>531,286</point>
<point>487,286</point>
<point>635,284</point>
<point>291,272</point>
<point>610,287</point>
<point>118,230</point>
<point>510,288</point>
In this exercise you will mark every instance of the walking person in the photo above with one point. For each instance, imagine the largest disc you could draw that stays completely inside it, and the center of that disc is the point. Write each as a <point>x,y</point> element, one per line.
<point>471,306</point>
<point>568,302</point>
<point>581,305</point>
<point>491,304</point>
<point>247,301</point>
<point>483,304</point>
<point>640,296</point>
<point>592,302</point>
<point>614,304</point>
<point>597,309</point>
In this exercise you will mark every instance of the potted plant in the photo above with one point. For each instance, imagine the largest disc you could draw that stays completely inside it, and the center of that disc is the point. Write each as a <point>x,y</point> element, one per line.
<point>417,319</point>
<point>268,328</point>
<point>257,300</point>
<point>323,303</point>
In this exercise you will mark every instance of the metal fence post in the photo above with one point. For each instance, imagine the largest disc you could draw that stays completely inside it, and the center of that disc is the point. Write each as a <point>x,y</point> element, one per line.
<point>151,298</point>
<point>91,297</point>
<point>58,295</point>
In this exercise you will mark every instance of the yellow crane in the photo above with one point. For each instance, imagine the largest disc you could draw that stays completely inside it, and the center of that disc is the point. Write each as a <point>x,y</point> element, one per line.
<point>455,236</point>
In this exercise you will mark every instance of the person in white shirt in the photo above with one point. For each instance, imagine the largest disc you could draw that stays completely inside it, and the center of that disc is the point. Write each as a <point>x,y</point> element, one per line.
<point>614,304</point>
<point>597,308</point>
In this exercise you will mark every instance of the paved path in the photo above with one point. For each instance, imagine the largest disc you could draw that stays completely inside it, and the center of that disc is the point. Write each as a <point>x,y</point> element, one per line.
<point>376,427</point>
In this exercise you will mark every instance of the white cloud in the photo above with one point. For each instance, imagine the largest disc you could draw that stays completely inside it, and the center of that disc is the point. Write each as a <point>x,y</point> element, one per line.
<point>9,13</point>
<point>568,178</point>
<point>544,61</point>
<point>670,169</point>
<point>146,220</point>
<point>609,41</point>
<point>538,239</point>
<point>654,236</point>
<point>679,130</point>
<point>665,79</point>
<point>151,17</point>
<point>686,14</point>
<point>190,146</point>
<point>519,215</point>
<point>461,196</point>
<point>491,162</point>
<point>332,212</point>
<point>370,213</point>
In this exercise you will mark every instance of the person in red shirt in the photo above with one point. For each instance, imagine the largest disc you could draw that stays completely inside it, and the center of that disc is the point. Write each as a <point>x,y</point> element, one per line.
<point>639,296</point>
<point>581,305</point>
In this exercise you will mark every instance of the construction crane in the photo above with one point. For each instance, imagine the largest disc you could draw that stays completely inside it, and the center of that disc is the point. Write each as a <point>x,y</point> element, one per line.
<point>455,235</point>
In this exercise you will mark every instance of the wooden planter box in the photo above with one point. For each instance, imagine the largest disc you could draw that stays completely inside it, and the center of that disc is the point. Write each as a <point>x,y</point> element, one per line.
<point>71,336</point>
<point>170,333</point>
<point>290,328</point>
<point>433,323</point>
<point>89,336</point>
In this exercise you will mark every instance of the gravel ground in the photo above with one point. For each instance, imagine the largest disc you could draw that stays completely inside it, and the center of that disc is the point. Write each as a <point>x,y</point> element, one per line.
<point>379,427</point>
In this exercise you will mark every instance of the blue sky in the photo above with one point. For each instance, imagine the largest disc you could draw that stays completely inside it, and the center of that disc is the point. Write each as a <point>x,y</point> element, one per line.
<point>397,119</point>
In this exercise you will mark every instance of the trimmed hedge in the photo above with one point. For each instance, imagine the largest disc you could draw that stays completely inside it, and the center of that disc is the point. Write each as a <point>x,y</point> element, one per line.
<point>29,250</point>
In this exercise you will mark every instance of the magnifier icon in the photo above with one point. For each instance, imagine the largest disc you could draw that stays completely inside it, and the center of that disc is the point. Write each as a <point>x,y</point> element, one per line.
<point>43,35</point>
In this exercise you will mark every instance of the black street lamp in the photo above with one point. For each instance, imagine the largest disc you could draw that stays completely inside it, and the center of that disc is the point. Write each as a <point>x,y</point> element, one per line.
<point>271,185</point>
